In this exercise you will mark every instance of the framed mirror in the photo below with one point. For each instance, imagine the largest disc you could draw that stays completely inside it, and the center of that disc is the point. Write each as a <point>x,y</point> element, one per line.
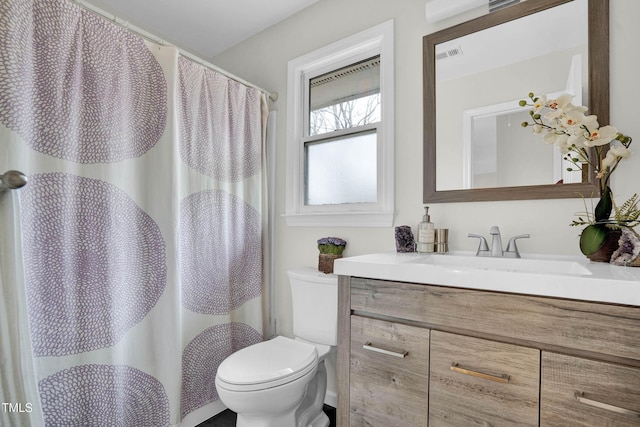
<point>474,75</point>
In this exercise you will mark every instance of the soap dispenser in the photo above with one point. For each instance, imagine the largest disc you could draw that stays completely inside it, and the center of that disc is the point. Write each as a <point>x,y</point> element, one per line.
<point>426,233</point>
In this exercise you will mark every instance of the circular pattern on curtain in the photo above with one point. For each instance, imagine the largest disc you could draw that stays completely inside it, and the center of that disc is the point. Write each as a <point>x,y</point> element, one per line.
<point>219,122</point>
<point>103,395</point>
<point>220,252</point>
<point>103,99</point>
<point>203,355</point>
<point>94,263</point>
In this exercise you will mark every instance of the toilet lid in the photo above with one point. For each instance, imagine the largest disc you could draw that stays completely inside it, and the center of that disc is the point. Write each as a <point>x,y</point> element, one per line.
<point>268,361</point>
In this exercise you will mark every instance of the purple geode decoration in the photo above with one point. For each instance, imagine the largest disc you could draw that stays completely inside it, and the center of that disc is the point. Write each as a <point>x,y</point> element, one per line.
<point>103,395</point>
<point>405,241</point>
<point>94,263</point>
<point>220,123</point>
<point>77,87</point>
<point>628,252</point>
<point>203,355</point>
<point>220,252</point>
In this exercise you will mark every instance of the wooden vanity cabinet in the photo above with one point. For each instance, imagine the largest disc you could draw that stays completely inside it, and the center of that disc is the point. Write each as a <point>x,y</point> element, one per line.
<point>474,357</point>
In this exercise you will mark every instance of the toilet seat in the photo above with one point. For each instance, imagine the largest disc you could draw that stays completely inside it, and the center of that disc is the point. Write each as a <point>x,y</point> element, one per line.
<point>267,364</point>
<point>323,350</point>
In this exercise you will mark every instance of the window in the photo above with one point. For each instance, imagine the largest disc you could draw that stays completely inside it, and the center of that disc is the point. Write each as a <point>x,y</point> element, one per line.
<point>340,133</point>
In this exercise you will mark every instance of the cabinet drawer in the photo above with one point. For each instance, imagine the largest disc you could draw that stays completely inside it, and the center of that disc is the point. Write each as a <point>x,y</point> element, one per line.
<point>480,382</point>
<point>581,392</point>
<point>540,321</point>
<point>389,374</point>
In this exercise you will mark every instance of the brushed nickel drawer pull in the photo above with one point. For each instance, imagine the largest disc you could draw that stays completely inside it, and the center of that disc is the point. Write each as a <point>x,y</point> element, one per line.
<point>368,346</point>
<point>618,410</point>
<point>504,378</point>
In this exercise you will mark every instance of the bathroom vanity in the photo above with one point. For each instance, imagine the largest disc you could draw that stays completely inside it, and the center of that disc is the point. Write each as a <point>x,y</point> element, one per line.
<point>456,340</point>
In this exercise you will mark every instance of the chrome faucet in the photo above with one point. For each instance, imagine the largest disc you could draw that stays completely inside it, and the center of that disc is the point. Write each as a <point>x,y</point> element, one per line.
<point>496,241</point>
<point>496,244</point>
<point>512,248</point>
<point>483,248</point>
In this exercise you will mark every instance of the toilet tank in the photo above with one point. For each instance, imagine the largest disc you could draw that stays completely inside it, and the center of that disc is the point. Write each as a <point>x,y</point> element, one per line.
<point>315,305</point>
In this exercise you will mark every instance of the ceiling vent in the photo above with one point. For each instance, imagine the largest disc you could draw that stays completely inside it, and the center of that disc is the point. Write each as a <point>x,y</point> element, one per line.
<point>495,5</point>
<point>454,51</point>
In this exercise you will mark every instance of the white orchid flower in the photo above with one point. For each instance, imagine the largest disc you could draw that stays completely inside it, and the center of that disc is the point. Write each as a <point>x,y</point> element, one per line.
<point>615,153</point>
<point>552,115</point>
<point>573,131</point>
<point>578,139</point>
<point>620,151</point>
<point>553,136</point>
<point>562,103</point>
<point>562,142</point>
<point>572,118</point>
<point>590,122</point>
<point>584,131</point>
<point>540,103</point>
<point>602,136</point>
<point>564,100</point>
<point>608,160</point>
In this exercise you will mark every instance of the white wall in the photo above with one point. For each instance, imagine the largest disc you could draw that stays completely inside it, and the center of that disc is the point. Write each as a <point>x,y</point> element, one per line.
<point>263,60</point>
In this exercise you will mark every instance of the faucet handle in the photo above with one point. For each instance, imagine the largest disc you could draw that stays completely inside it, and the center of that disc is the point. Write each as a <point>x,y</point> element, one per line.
<point>512,248</point>
<point>483,247</point>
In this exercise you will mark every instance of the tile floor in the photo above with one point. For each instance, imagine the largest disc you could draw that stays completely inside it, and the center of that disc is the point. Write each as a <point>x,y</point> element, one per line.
<point>228,418</point>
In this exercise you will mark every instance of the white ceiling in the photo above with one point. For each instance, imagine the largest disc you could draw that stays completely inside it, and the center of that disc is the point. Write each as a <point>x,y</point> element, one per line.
<point>203,27</point>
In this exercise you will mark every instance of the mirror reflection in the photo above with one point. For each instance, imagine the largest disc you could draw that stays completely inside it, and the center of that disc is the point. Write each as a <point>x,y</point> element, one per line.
<point>479,79</point>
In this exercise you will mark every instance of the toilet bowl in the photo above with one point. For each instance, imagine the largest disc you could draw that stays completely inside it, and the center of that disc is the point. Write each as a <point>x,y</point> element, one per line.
<point>282,382</point>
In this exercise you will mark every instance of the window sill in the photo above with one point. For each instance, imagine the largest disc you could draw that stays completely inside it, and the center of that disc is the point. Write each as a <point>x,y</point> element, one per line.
<point>340,219</point>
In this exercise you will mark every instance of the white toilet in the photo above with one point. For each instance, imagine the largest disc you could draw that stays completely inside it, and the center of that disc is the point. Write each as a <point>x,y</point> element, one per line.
<point>282,382</point>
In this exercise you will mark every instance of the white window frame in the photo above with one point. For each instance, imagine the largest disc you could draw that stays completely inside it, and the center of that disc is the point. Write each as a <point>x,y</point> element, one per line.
<point>368,43</point>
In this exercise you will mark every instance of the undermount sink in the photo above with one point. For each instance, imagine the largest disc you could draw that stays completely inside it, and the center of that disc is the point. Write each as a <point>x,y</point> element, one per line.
<point>518,265</point>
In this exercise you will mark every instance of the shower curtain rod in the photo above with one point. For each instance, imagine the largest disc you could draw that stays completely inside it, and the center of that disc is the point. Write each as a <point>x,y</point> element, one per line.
<point>273,96</point>
<point>12,180</point>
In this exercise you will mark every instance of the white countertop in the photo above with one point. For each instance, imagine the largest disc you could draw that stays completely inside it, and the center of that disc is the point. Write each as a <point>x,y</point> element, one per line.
<point>544,275</point>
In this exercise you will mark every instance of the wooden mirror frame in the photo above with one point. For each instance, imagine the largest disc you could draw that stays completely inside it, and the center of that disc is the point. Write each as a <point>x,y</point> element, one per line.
<point>598,11</point>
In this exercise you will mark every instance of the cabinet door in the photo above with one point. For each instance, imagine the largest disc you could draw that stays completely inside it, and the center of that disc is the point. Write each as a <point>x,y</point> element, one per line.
<point>477,382</point>
<point>389,374</point>
<point>581,392</point>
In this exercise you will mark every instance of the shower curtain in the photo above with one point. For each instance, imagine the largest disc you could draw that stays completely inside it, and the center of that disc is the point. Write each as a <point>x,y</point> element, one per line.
<point>131,263</point>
